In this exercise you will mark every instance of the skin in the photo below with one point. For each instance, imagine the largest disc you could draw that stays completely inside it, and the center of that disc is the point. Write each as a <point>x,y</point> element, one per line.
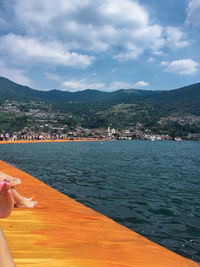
<point>5,256</point>
<point>19,201</point>
<point>22,202</point>
<point>6,199</point>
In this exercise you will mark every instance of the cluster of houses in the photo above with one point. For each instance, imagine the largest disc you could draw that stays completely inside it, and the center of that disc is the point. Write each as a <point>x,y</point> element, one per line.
<point>49,125</point>
<point>80,133</point>
<point>182,120</point>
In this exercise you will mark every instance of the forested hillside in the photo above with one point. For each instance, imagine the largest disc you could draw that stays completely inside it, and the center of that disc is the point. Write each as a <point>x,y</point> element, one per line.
<point>172,112</point>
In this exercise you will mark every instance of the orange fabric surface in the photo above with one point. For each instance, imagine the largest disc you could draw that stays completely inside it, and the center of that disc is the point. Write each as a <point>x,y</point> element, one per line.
<point>62,232</point>
<point>50,141</point>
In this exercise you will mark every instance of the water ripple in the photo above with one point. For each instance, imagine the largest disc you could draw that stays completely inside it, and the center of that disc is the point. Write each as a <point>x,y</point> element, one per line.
<point>150,187</point>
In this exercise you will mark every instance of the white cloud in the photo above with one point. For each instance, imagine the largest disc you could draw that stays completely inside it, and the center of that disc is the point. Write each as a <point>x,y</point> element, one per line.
<point>157,45</point>
<point>52,76</point>
<point>124,12</point>
<point>176,38</point>
<point>78,85</point>
<point>164,63</point>
<point>30,50</point>
<point>182,66</point>
<point>133,53</point>
<point>158,53</point>
<point>123,85</point>
<point>66,33</point>
<point>38,13</point>
<point>151,59</point>
<point>193,12</point>
<point>16,75</point>
<point>141,84</point>
<point>119,85</point>
<point>93,26</point>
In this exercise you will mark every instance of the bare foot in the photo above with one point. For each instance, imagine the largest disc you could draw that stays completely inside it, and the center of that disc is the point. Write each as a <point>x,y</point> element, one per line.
<point>26,203</point>
<point>12,180</point>
<point>6,200</point>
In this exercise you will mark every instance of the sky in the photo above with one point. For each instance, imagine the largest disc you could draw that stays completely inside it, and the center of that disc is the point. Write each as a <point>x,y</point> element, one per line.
<point>100,44</point>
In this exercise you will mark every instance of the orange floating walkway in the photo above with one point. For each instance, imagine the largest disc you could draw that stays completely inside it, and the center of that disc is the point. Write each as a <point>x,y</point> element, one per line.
<point>50,141</point>
<point>63,232</point>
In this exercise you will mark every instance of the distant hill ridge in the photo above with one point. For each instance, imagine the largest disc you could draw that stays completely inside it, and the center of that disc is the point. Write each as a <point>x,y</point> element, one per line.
<point>185,99</point>
<point>12,90</point>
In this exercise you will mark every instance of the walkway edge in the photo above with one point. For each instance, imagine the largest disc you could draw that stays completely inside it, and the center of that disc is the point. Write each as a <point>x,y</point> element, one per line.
<point>63,232</point>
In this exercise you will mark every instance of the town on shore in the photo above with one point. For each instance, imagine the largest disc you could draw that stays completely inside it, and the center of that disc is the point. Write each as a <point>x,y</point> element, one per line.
<point>36,121</point>
<point>80,133</point>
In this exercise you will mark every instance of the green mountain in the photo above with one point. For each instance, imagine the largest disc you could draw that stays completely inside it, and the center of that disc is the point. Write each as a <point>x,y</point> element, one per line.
<point>14,91</point>
<point>187,98</point>
<point>182,100</point>
<point>121,108</point>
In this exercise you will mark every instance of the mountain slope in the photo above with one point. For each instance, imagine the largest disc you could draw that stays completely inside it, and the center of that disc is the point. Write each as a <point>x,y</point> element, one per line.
<point>183,100</point>
<point>160,112</point>
<point>11,90</point>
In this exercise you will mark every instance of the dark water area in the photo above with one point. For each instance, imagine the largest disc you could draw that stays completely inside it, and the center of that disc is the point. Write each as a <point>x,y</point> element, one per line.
<point>152,188</point>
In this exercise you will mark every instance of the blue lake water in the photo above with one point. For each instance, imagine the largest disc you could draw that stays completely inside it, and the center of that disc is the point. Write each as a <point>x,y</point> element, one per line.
<point>152,188</point>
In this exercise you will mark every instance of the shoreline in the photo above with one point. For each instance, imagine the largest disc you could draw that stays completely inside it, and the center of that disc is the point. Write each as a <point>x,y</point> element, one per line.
<point>84,140</point>
<point>53,141</point>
